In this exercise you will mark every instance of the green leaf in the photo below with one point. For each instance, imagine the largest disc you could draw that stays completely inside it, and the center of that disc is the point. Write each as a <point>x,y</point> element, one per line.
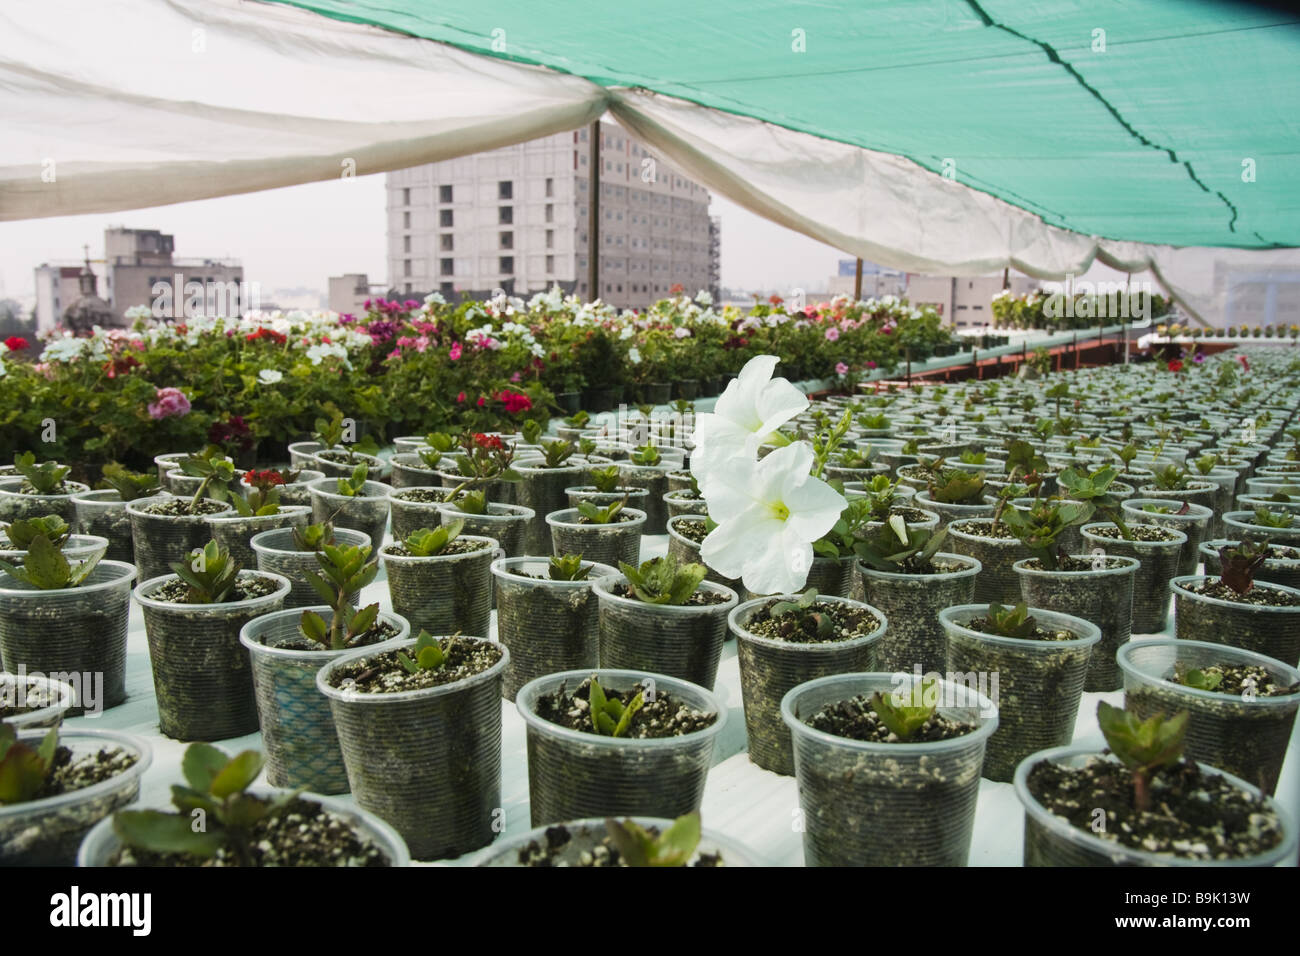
<point>363,620</point>
<point>625,719</point>
<point>45,566</point>
<point>238,775</point>
<point>313,627</point>
<point>165,833</point>
<point>905,713</point>
<point>678,843</point>
<point>200,765</point>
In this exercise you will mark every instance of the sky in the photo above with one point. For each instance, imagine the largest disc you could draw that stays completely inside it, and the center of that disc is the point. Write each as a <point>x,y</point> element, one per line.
<point>299,236</point>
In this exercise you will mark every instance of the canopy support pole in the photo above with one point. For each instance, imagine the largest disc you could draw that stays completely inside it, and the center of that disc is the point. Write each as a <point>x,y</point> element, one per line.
<point>593,216</point>
<point>857,282</point>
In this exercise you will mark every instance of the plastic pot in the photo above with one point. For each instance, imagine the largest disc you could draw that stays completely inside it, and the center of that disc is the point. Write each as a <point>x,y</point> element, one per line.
<point>1284,571</point>
<point>506,524</point>
<point>654,479</point>
<point>682,641</point>
<point>78,548</point>
<point>103,513</point>
<point>549,626</point>
<point>952,512</point>
<point>1102,595</point>
<point>995,581</point>
<point>1241,524</point>
<point>878,804</point>
<point>1038,683</point>
<point>828,575</point>
<point>337,469</point>
<point>14,505</point>
<point>101,843</point>
<point>168,462</point>
<point>76,635</point>
<point>410,471</point>
<point>47,832</point>
<point>680,503</point>
<point>444,593</point>
<point>427,761</point>
<point>299,492</point>
<point>201,673</point>
<point>163,540</point>
<point>573,774</point>
<point>298,737</point>
<point>1157,566</point>
<point>277,554</point>
<point>576,493</point>
<point>186,486</point>
<point>235,532</point>
<point>366,512</point>
<point>1246,736</point>
<point>1052,841</point>
<point>542,489</point>
<point>911,603</point>
<point>1271,631</point>
<point>770,668</point>
<point>44,700</point>
<point>586,835</point>
<point>605,543</point>
<point>1194,525</point>
<point>302,454</point>
<point>687,551</point>
<point>410,514</point>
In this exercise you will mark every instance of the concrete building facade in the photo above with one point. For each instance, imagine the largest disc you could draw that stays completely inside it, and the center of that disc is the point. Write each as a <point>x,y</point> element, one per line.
<point>516,219</point>
<point>964,302</point>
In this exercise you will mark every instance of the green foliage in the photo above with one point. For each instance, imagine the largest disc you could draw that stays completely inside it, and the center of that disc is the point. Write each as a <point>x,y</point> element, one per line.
<point>568,567</point>
<point>956,487</point>
<point>1206,463</point>
<point>605,479</point>
<point>472,503</point>
<point>344,571</point>
<point>873,421</point>
<point>578,420</point>
<point>211,573</point>
<point>1170,478</point>
<point>356,484</point>
<point>46,568</point>
<point>23,770</point>
<point>609,716</point>
<point>313,537</point>
<point>646,454</point>
<point>556,453</point>
<point>45,478</point>
<point>430,542</point>
<point>673,847</point>
<point>531,430</point>
<point>1011,621</point>
<point>586,447</point>
<point>801,611</point>
<point>663,580</point>
<point>1039,528</point>
<point>607,515</point>
<point>130,485</point>
<point>969,457</point>
<point>1143,746</point>
<point>1240,563</point>
<point>214,811</point>
<point>906,712</point>
<point>1273,519</point>
<point>23,531</point>
<point>881,491</point>
<point>896,548</point>
<point>215,473</point>
<point>428,655</point>
<point>1202,679</point>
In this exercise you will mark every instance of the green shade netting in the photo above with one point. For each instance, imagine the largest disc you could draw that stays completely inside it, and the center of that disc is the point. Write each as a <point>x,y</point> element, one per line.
<point>1162,121</point>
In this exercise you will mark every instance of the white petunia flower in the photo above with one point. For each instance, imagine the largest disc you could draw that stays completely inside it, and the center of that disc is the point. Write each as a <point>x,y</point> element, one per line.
<point>769,513</point>
<point>269,376</point>
<point>634,355</point>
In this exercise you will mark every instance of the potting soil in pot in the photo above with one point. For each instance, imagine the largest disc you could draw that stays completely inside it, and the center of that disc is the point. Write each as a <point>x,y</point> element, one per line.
<point>560,847</point>
<point>661,717</point>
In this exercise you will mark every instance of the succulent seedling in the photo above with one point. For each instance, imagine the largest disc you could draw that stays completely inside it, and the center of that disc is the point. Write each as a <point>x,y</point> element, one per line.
<point>874,421</point>
<point>663,580</point>
<point>1011,621</point>
<point>436,444</point>
<point>263,497</point>
<point>556,453</point>
<point>1240,563</point>
<point>852,458</point>
<point>607,515</point>
<point>568,567</point>
<point>646,454</point>
<point>586,446</point>
<point>1094,489</point>
<point>1143,746</point>
<point>578,420</point>
<point>47,568</point>
<point>24,530</point>
<point>130,485</point>
<point>471,502</point>
<point>531,430</point>
<point>213,471</point>
<point>24,770</point>
<point>1202,679</point>
<point>969,457</point>
<point>211,573</point>
<point>895,547</point>
<point>1039,528</point>
<point>213,808</point>
<point>313,537</point>
<point>1273,519</point>
<point>345,571</point>
<point>673,847</point>
<point>1206,463</point>
<point>610,717</point>
<point>798,616</point>
<point>1170,478</point>
<point>605,480</point>
<point>904,713</point>
<point>430,542</point>
<point>427,655</point>
<point>881,491</point>
<point>352,486</point>
<point>45,478</point>
<point>957,487</point>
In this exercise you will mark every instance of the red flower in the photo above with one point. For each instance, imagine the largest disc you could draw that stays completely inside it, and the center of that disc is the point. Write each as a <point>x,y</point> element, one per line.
<point>488,442</point>
<point>15,343</point>
<point>1245,363</point>
<point>515,402</point>
<point>1176,365</point>
<point>263,479</point>
<point>677,289</point>
<point>460,398</point>
<point>482,401</point>
<point>775,299</point>
<point>263,332</point>
<point>120,366</point>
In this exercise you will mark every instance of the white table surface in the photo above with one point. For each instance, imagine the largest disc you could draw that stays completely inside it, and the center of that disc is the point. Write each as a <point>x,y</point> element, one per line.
<point>754,806</point>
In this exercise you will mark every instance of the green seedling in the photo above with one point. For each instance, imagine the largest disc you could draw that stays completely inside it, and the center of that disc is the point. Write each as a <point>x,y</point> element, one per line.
<point>344,571</point>
<point>1240,563</point>
<point>1011,621</point>
<point>969,457</point>
<point>852,458</point>
<point>881,491</point>
<point>607,515</point>
<point>472,502</point>
<point>130,485</point>
<point>1143,746</point>
<point>673,847</point>
<point>906,712</point>
<point>47,568</point>
<point>23,531</point>
<point>578,420</point>
<point>586,447</point>
<point>213,471</point>
<point>663,580</point>
<point>802,617</point>
<point>436,444</point>
<point>211,573</point>
<point>24,770</point>
<point>1039,528</point>
<point>263,497</point>
<point>1202,679</point>
<point>568,567</point>
<point>895,547</point>
<point>356,484</point>
<point>313,537</point>
<point>428,655</point>
<point>213,809</point>
<point>1206,463</point>
<point>1170,478</point>
<point>1273,519</point>
<point>605,480</point>
<point>531,430</point>
<point>556,453</point>
<point>45,478</point>
<point>956,487</point>
<point>647,454</point>
<point>610,717</point>
<point>875,422</point>
<point>430,542</point>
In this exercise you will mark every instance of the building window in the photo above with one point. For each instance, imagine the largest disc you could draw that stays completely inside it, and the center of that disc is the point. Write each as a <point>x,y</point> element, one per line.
<point>406,197</point>
<point>406,267</point>
<point>550,264</point>
<point>445,242</point>
<point>505,215</point>
<point>505,190</point>
<point>448,289</point>
<point>406,243</point>
<point>446,267</point>
<point>444,194</point>
<point>550,238</point>
<point>407,289</point>
<point>550,187</point>
<point>445,218</point>
<point>550,212</point>
<point>507,240</point>
<point>506,265</point>
<point>406,220</point>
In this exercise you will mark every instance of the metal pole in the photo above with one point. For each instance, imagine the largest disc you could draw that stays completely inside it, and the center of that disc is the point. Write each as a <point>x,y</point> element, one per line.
<point>857,282</point>
<point>593,217</point>
<point>1128,286</point>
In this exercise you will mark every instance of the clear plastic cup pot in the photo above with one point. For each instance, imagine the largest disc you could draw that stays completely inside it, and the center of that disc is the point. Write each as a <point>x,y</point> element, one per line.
<point>542,489</point>
<point>1157,566</point>
<point>1273,631</point>
<point>911,603</point>
<point>444,593</point>
<point>276,553</point>
<point>618,541</point>
<point>103,513</point>
<point>1194,524</point>
<point>996,582</point>
<point>235,532</point>
<point>582,837</point>
<point>16,505</point>
<point>162,540</point>
<point>366,512</point>
<point>39,702</point>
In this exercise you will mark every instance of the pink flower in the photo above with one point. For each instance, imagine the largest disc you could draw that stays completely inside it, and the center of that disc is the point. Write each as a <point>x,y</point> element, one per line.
<point>515,377</point>
<point>422,343</point>
<point>455,352</point>
<point>870,364</point>
<point>460,399</point>
<point>395,353</point>
<point>841,369</point>
<point>832,334</point>
<point>481,401</point>
<point>169,402</point>
<point>515,402</point>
